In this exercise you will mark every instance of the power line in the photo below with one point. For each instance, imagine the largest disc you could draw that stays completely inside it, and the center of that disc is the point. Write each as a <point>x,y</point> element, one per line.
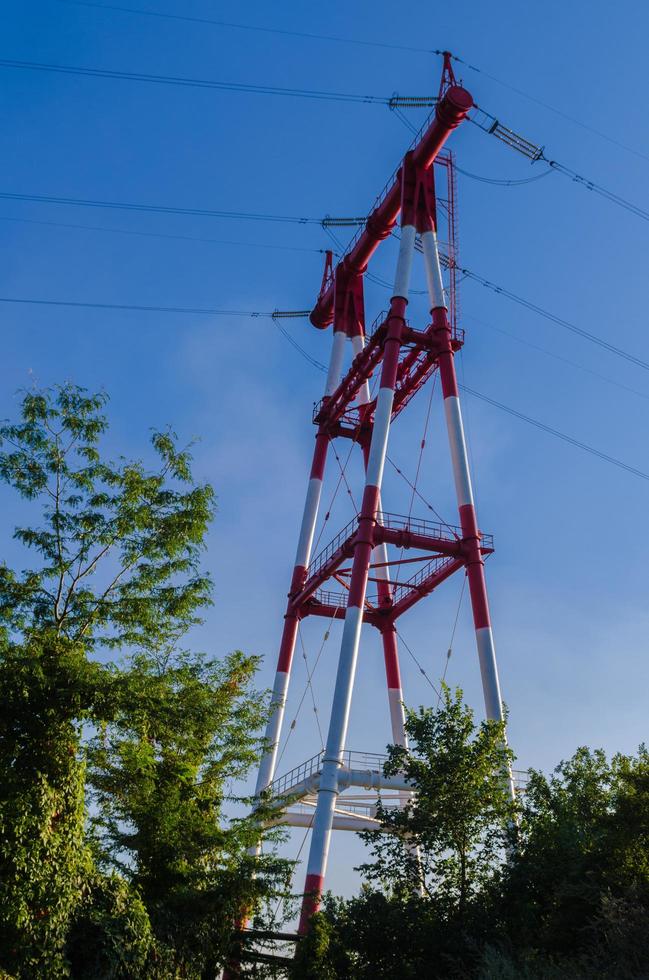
<point>489,124</point>
<point>556,433</point>
<point>502,181</point>
<point>178,310</point>
<point>161,209</point>
<point>198,83</point>
<point>252,27</point>
<point>553,432</point>
<point>493,127</point>
<point>551,108</point>
<point>559,357</point>
<point>364,43</point>
<point>202,311</point>
<point>532,307</point>
<point>310,94</point>
<point>163,235</point>
<point>252,216</point>
<point>293,342</point>
<point>553,318</point>
<point>591,185</point>
<point>137,308</point>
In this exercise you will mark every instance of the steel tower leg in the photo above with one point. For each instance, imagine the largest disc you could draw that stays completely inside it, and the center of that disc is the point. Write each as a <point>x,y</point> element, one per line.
<point>328,789</point>
<point>302,558</point>
<point>463,487</point>
<point>388,635</point>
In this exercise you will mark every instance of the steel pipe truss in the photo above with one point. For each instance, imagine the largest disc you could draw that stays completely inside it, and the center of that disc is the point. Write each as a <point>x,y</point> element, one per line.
<point>356,577</point>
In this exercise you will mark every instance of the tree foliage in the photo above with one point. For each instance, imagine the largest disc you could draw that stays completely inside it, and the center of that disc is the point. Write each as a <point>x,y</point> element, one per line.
<point>152,885</point>
<point>561,894</point>
<point>451,835</point>
<point>160,769</point>
<point>117,545</point>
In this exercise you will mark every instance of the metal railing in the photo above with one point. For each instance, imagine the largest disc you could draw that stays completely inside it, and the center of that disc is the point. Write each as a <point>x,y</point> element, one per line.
<point>402,589</point>
<point>395,522</point>
<point>355,759</point>
<point>282,785</point>
<point>329,550</point>
<point>420,525</point>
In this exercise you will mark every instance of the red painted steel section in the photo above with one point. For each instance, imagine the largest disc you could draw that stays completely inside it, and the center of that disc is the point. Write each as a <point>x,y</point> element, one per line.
<point>313,887</point>
<point>391,657</point>
<point>468,521</point>
<point>349,304</point>
<point>425,588</point>
<point>369,506</point>
<point>319,455</point>
<point>418,207</point>
<point>450,112</point>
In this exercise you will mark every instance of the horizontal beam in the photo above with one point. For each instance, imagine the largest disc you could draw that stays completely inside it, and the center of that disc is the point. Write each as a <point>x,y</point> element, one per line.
<point>449,113</point>
<point>365,778</point>
<point>291,818</point>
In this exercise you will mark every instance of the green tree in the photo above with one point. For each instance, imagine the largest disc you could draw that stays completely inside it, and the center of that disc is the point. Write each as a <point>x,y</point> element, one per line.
<point>113,569</point>
<point>424,910</point>
<point>450,838</point>
<point>578,886</point>
<point>44,859</point>
<point>118,545</point>
<point>186,727</point>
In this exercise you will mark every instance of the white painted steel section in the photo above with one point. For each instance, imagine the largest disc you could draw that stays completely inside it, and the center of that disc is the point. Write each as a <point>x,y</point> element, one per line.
<point>342,692</point>
<point>372,779</point>
<point>328,792</point>
<point>339,821</point>
<point>338,723</point>
<point>380,553</point>
<point>404,262</point>
<point>273,729</point>
<point>433,270</point>
<point>397,716</point>
<point>309,518</point>
<point>307,529</point>
<point>380,558</point>
<point>358,343</point>
<point>457,443</point>
<point>489,672</point>
<point>365,778</point>
<point>491,685</point>
<point>382,416</point>
<point>336,362</point>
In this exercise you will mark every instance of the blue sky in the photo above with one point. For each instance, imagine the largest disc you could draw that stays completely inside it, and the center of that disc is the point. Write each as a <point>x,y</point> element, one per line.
<point>568,580</point>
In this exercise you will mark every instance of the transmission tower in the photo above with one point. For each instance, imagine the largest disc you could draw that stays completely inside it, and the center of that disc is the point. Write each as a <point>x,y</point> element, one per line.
<point>352,578</point>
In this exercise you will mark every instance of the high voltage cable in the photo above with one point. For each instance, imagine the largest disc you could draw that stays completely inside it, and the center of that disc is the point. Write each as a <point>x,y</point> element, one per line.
<point>293,342</point>
<point>503,181</point>
<point>252,216</point>
<point>591,185</point>
<point>178,310</point>
<point>553,318</point>
<point>162,209</point>
<point>365,43</point>
<point>498,181</point>
<point>539,155</point>
<point>197,82</point>
<point>163,235</point>
<point>251,27</point>
<point>559,357</point>
<point>492,126</point>
<point>137,308</point>
<point>321,367</point>
<point>307,94</point>
<point>551,108</point>
<point>555,432</point>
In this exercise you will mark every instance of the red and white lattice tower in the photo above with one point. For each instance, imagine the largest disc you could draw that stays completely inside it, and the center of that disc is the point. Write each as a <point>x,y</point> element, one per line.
<point>404,358</point>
